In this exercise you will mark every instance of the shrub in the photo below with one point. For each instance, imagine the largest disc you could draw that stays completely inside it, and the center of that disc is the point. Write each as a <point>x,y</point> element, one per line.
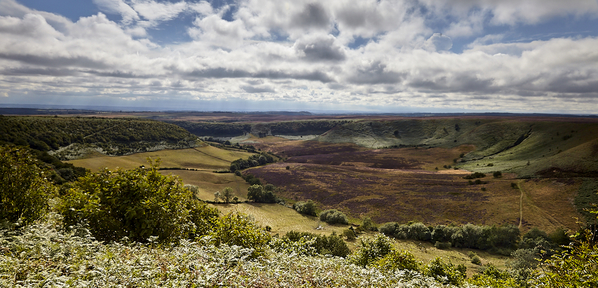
<point>350,234</point>
<point>476,260</point>
<point>419,231</point>
<point>491,276</point>
<point>24,186</point>
<point>389,229</point>
<point>398,260</point>
<point>442,245</point>
<point>446,273</point>
<point>371,250</point>
<point>368,224</point>
<point>305,208</point>
<point>135,203</point>
<point>497,174</point>
<point>238,229</point>
<point>333,216</point>
<point>332,245</point>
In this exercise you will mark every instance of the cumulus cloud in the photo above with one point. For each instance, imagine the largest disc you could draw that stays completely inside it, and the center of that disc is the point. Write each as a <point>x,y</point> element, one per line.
<point>301,52</point>
<point>320,49</point>
<point>118,7</point>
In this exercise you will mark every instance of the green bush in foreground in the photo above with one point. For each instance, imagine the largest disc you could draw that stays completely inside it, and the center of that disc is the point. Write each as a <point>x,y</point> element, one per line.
<point>136,204</point>
<point>24,186</point>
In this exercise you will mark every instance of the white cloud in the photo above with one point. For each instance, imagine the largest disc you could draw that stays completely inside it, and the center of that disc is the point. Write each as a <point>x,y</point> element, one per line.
<point>270,51</point>
<point>118,7</point>
<point>155,11</point>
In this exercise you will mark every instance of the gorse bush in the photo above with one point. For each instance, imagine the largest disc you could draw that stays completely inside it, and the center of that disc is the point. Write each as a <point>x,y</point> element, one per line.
<point>136,204</point>
<point>24,186</point>
<point>333,216</point>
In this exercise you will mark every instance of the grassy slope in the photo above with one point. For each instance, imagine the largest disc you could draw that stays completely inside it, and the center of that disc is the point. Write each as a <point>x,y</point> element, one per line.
<point>206,159</point>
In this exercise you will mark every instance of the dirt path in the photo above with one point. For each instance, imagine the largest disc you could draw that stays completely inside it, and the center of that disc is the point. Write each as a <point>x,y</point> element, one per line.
<point>520,204</point>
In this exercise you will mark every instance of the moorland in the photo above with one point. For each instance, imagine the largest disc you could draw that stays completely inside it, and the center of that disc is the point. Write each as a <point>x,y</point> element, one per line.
<point>500,174</point>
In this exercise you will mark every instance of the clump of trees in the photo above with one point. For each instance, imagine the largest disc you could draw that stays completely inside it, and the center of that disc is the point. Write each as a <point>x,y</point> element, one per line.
<point>259,194</point>
<point>252,161</point>
<point>475,175</point>
<point>333,216</point>
<point>500,239</point>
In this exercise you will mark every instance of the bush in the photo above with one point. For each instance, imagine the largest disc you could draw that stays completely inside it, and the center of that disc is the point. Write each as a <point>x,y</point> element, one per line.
<point>371,250</point>
<point>442,245</point>
<point>419,231</point>
<point>497,174</point>
<point>24,186</point>
<point>306,208</point>
<point>368,225</point>
<point>134,203</point>
<point>332,245</point>
<point>476,260</point>
<point>398,260</point>
<point>238,229</point>
<point>446,273</point>
<point>333,216</point>
<point>350,234</point>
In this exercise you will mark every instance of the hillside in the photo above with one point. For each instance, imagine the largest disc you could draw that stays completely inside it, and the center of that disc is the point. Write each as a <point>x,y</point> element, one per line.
<point>72,137</point>
<point>525,146</point>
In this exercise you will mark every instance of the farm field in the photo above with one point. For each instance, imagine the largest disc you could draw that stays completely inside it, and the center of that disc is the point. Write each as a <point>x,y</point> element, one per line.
<point>206,157</point>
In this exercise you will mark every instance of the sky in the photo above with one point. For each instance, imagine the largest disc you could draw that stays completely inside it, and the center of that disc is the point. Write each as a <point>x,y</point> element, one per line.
<point>534,56</point>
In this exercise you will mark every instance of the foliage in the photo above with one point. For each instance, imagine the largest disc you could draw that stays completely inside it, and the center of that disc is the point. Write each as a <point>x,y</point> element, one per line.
<point>332,244</point>
<point>24,187</point>
<point>135,203</point>
<point>497,174</point>
<point>306,207</point>
<point>252,161</point>
<point>227,194</point>
<point>575,266</point>
<point>398,260</point>
<point>41,256</point>
<point>491,276</point>
<point>333,216</point>
<point>371,251</point>
<point>445,273</point>
<point>113,136</point>
<point>257,194</point>
<point>238,229</point>
<point>350,234</point>
<point>475,175</point>
<point>368,225</point>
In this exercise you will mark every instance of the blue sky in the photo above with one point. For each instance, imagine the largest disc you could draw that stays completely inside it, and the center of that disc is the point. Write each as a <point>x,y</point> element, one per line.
<point>536,56</point>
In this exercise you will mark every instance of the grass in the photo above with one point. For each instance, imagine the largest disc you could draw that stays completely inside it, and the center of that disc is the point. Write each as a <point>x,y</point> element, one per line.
<point>282,219</point>
<point>207,158</point>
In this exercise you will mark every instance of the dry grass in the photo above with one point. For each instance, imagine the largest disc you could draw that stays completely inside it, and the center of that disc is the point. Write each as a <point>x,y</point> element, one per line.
<point>282,219</point>
<point>207,157</point>
<point>209,182</point>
